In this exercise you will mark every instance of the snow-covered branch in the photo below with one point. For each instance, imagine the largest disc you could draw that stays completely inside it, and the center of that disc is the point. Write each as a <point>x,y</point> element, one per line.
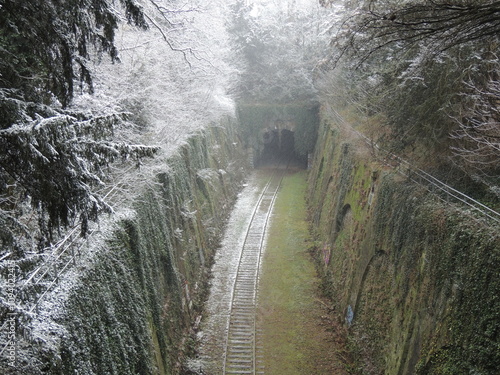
<point>477,135</point>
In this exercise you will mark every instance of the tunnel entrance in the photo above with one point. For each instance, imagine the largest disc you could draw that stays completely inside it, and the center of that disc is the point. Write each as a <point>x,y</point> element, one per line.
<point>279,146</point>
<point>275,132</point>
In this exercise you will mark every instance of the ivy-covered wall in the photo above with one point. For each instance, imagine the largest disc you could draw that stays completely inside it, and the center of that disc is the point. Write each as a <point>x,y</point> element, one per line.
<point>414,279</point>
<point>132,310</point>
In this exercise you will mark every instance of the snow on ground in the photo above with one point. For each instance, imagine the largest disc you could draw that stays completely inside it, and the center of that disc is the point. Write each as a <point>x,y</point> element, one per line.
<point>213,330</point>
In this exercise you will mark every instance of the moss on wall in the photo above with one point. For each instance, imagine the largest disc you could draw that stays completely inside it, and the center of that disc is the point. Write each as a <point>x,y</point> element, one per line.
<point>414,278</point>
<point>133,307</point>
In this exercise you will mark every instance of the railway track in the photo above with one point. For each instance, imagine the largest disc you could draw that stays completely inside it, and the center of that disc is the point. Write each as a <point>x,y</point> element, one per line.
<point>243,350</point>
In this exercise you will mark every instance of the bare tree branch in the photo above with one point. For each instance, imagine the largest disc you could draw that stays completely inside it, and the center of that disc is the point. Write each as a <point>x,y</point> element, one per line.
<point>440,24</point>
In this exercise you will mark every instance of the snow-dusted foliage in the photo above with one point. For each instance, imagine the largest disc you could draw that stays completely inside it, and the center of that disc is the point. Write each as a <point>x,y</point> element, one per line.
<point>277,47</point>
<point>47,44</point>
<point>89,92</point>
<point>173,78</point>
<point>159,85</point>
<point>58,161</point>
<point>477,134</point>
<point>429,69</point>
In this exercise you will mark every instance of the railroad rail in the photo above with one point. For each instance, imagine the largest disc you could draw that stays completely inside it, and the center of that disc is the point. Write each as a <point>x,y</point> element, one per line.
<point>243,350</point>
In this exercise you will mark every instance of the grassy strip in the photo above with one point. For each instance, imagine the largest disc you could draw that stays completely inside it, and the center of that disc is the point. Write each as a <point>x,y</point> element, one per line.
<point>296,334</point>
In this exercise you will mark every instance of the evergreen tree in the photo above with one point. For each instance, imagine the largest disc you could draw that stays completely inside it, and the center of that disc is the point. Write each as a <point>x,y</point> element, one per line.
<point>46,44</point>
<point>50,157</point>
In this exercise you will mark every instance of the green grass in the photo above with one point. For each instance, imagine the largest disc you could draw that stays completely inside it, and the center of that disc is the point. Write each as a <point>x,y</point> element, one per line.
<point>288,306</point>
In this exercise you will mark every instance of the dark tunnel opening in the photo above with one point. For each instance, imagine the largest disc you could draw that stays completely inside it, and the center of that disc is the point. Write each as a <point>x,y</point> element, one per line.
<point>279,147</point>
